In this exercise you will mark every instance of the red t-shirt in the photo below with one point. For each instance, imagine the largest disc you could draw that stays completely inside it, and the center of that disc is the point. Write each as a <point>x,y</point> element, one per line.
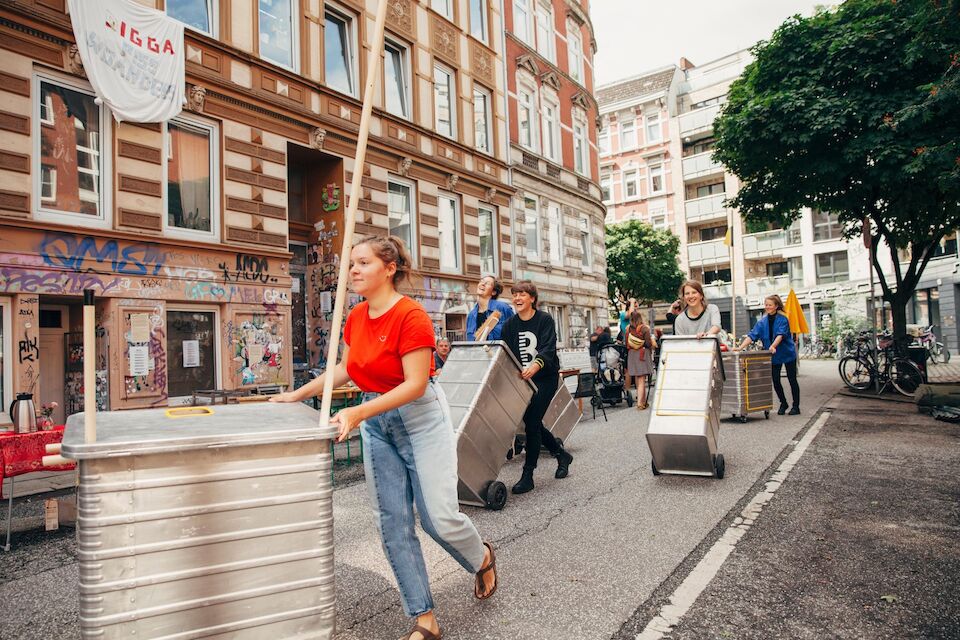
<point>378,344</point>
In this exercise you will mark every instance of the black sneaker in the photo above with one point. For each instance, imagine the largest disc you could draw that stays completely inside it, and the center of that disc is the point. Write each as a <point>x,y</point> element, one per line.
<point>782,410</point>
<point>563,464</point>
<point>795,411</point>
<point>526,482</point>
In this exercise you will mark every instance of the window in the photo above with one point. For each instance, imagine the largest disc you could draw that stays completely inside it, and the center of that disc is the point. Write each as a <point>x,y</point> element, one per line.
<point>531,223</point>
<point>658,221</point>
<point>586,243</point>
<point>947,246</point>
<point>396,76</point>
<point>717,276</point>
<point>196,14</point>
<point>628,135</point>
<point>654,132</point>
<point>556,233</point>
<point>401,199</point>
<point>449,229</point>
<point>795,269</point>
<point>575,52</point>
<point>526,109</point>
<point>580,160</point>
<point>712,233</point>
<point>710,189</point>
<point>551,129</point>
<point>69,164</point>
<point>545,38</point>
<point>556,312</point>
<point>603,141</point>
<point>832,267</point>
<point>523,21</point>
<point>278,32</point>
<point>191,344</point>
<point>826,226</point>
<point>481,119</point>
<point>191,166</point>
<point>630,184</point>
<point>443,7</point>
<point>444,96</point>
<point>656,178</point>
<point>775,269</point>
<point>488,239</point>
<point>606,188</point>
<point>699,147</point>
<point>339,52</point>
<point>478,19</point>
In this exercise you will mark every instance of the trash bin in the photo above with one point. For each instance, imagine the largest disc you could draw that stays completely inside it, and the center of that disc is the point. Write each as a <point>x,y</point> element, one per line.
<point>487,399</point>
<point>205,522</point>
<point>685,422</point>
<point>749,386</point>
<point>918,355</point>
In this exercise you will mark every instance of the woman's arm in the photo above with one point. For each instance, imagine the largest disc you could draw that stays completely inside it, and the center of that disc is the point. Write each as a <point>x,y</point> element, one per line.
<point>315,386</point>
<point>416,375</point>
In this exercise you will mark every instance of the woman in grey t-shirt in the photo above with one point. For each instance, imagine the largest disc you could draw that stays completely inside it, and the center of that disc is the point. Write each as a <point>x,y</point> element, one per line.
<point>699,318</point>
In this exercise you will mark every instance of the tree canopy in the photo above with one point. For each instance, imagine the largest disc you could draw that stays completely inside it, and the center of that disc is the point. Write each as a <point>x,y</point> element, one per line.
<point>642,263</point>
<point>855,111</point>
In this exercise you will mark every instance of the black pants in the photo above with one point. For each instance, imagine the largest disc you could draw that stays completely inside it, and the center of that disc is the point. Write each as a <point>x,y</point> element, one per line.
<point>537,435</point>
<point>791,378</point>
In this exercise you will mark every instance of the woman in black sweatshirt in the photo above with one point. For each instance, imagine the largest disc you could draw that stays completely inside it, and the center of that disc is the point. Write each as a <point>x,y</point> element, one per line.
<point>532,337</point>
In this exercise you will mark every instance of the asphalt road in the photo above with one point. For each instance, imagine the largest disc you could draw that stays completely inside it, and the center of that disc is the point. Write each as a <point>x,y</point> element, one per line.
<point>577,557</point>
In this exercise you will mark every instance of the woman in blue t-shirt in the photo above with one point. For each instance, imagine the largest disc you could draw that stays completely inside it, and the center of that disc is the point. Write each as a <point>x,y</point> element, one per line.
<point>773,331</point>
<point>488,290</point>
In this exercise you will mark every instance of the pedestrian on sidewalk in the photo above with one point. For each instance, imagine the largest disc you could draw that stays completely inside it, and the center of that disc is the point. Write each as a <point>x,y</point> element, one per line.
<point>410,453</point>
<point>440,357</point>
<point>532,337</point>
<point>773,332</point>
<point>698,318</point>
<point>488,294</point>
<point>640,346</point>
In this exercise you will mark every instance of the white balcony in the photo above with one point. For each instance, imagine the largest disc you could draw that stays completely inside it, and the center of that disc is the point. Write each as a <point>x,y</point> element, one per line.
<point>700,166</point>
<point>764,245</point>
<point>698,121</point>
<point>768,286</point>
<point>714,291</point>
<point>707,253</point>
<point>706,208</point>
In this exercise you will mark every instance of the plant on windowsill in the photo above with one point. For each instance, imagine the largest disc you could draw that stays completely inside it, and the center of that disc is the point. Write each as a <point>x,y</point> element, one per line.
<point>45,420</point>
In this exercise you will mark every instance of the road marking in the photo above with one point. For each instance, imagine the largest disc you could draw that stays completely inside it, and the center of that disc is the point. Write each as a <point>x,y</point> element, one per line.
<point>693,585</point>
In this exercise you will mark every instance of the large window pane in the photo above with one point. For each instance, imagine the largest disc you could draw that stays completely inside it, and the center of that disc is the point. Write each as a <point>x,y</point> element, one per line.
<point>628,135</point>
<point>193,13</point>
<point>654,132</point>
<point>586,242</point>
<point>449,228</point>
<point>277,31</point>
<point>556,233</point>
<point>525,109</point>
<point>443,7</point>
<point>832,267</point>
<point>189,198</point>
<point>396,80</point>
<point>70,161</point>
<point>338,53</point>
<point>580,148</point>
<point>545,38</point>
<point>656,178</point>
<point>522,20</point>
<point>481,119</point>
<point>443,94</point>
<point>575,54</point>
<point>532,228</point>
<point>551,129</point>
<point>488,241</point>
<point>400,199</point>
<point>826,226</point>
<point>190,345</point>
<point>478,19</point>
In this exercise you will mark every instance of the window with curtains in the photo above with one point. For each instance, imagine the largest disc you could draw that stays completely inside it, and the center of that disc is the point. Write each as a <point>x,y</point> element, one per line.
<point>449,232</point>
<point>445,100</point>
<point>482,100</point>
<point>278,32</point>
<point>531,226</point>
<point>654,131</point>
<point>630,189</point>
<point>606,188</point>
<point>488,239</point>
<point>199,15</point>
<point>191,185</point>
<point>339,51</point>
<point>401,208</point>
<point>656,178</point>
<point>396,78</point>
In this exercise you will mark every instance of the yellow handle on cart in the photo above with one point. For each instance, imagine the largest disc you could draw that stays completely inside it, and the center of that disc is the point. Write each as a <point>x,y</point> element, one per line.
<point>188,412</point>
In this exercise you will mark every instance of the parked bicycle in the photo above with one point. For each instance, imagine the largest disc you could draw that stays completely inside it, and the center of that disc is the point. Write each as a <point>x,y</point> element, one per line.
<point>936,352</point>
<point>860,370</point>
<point>816,347</point>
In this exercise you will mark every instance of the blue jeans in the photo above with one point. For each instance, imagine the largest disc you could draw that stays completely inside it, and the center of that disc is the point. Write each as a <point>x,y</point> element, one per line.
<point>410,457</point>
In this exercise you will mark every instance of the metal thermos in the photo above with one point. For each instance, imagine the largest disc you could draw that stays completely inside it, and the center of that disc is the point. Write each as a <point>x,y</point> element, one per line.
<point>23,414</point>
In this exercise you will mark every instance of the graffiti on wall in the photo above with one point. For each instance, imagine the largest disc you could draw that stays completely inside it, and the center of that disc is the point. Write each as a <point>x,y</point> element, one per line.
<point>71,251</point>
<point>255,342</point>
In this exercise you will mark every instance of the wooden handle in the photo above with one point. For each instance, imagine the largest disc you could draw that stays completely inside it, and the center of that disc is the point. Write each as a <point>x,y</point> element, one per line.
<point>53,447</point>
<point>54,461</point>
<point>488,325</point>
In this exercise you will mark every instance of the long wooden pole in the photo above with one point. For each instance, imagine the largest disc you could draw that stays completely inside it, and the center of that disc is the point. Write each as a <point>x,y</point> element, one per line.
<point>373,73</point>
<point>89,368</point>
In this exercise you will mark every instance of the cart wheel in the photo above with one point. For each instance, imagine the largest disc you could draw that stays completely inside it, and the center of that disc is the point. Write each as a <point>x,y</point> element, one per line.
<point>496,495</point>
<point>718,466</point>
<point>629,399</point>
<point>743,419</point>
<point>653,467</point>
<point>766,414</point>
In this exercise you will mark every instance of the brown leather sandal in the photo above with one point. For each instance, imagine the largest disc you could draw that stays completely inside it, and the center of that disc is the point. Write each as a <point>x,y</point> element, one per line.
<point>479,586</point>
<point>425,633</point>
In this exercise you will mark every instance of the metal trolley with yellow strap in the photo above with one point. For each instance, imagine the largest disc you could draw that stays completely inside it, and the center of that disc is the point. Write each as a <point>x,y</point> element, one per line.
<point>748,387</point>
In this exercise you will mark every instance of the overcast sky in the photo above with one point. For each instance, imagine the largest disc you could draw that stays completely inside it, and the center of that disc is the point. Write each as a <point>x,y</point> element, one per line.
<point>634,36</point>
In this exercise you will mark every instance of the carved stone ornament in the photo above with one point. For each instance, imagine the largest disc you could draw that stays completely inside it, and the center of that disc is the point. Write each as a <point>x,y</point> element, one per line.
<point>405,164</point>
<point>195,98</point>
<point>544,201</point>
<point>491,194</point>
<point>452,181</point>
<point>74,63</point>
<point>317,137</point>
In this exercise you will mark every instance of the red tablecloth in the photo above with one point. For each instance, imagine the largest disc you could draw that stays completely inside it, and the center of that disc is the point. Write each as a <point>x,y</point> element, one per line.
<point>23,452</point>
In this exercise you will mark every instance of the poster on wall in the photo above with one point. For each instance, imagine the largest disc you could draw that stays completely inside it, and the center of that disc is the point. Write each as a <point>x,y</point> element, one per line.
<point>133,56</point>
<point>191,353</point>
<point>139,327</point>
<point>139,361</point>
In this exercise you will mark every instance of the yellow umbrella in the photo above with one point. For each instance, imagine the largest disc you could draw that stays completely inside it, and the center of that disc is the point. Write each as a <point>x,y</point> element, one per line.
<point>798,320</point>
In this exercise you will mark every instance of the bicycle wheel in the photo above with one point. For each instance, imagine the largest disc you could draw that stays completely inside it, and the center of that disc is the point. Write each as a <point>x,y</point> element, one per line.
<point>856,373</point>
<point>905,376</point>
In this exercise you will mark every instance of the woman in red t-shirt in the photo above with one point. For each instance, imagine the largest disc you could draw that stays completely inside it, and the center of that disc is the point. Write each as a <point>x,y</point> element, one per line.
<point>409,442</point>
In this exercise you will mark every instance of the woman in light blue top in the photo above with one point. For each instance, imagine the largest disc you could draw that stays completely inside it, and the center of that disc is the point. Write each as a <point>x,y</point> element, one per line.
<point>488,290</point>
<point>773,332</point>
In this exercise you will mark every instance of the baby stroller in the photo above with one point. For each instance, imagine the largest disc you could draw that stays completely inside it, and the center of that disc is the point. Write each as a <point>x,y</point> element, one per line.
<point>612,373</point>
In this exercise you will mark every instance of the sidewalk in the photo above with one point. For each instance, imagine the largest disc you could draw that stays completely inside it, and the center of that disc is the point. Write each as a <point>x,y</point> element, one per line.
<point>860,541</point>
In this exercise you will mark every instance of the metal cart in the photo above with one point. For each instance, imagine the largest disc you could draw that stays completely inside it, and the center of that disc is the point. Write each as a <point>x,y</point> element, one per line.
<point>487,398</point>
<point>748,386</point>
<point>560,419</point>
<point>205,522</point>
<point>685,423</point>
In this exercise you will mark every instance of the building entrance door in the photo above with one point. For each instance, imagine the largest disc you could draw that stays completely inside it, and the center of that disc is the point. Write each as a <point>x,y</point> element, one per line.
<point>54,324</point>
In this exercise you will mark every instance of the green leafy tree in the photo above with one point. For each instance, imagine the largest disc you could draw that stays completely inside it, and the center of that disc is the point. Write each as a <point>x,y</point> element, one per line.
<point>855,111</point>
<point>642,263</point>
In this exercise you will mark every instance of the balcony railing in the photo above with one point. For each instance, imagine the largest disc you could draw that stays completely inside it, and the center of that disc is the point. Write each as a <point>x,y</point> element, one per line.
<point>707,253</point>
<point>706,208</point>
<point>768,286</point>
<point>699,120</point>
<point>763,245</point>
<point>718,290</point>
<point>700,165</point>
